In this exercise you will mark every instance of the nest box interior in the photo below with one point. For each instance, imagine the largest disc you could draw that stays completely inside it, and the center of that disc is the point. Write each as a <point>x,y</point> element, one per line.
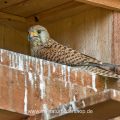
<point>85,25</point>
<point>90,26</point>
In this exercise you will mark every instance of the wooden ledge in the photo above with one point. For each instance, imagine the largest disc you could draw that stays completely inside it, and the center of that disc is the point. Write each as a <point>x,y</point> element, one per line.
<point>102,106</point>
<point>109,4</point>
<point>9,115</point>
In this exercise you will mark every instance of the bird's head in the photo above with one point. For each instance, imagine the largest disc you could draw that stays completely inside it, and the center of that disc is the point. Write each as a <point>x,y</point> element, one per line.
<point>38,33</point>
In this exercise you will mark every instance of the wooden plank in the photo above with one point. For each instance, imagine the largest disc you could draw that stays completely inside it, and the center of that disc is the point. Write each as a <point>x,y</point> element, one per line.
<point>89,31</point>
<point>17,22</point>
<point>9,115</point>
<point>1,36</point>
<point>7,3</point>
<point>117,118</point>
<point>99,106</point>
<point>100,111</point>
<point>9,17</point>
<point>16,25</point>
<point>116,38</point>
<point>16,40</point>
<point>109,4</point>
<point>31,7</point>
<point>57,13</point>
<point>13,39</point>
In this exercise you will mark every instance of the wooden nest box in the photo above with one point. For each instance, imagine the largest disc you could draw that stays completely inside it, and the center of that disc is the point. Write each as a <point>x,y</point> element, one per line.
<point>90,26</point>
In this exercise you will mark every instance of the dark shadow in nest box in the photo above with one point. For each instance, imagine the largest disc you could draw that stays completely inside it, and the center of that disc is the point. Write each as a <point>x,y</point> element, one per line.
<point>36,19</point>
<point>5,2</point>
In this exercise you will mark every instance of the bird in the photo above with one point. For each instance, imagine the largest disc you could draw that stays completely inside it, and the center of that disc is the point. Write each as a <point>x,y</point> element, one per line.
<point>44,47</point>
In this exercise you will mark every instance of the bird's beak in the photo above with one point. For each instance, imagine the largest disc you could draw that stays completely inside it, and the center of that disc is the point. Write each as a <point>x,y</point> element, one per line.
<point>33,34</point>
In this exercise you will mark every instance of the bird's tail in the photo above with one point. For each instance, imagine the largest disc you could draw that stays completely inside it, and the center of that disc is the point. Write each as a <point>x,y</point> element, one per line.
<point>100,71</point>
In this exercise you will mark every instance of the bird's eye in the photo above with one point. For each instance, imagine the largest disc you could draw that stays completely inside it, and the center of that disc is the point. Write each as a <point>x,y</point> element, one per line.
<point>39,31</point>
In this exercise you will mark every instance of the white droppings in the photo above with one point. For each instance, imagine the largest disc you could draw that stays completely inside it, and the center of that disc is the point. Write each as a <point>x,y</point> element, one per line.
<point>16,60</point>
<point>94,82</point>
<point>10,60</point>
<point>64,74</point>
<point>75,73</point>
<point>106,83</point>
<point>35,76</point>
<point>42,89</point>
<point>42,82</point>
<point>74,98</point>
<point>63,110</point>
<point>82,79</point>
<point>20,64</point>
<point>70,84</point>
<point>13,60</point>
<point>30,76</point>
<point>46,112</point>
<point>60,103</point>
<point>33,62</point>
<point>83,103</point>
<point>26,63</point>
<point>68,69</point>
<point>37,70</point>
<point>49,70</point>
<point>25,97</point>
<point>1,58</point>
<point>36,67</point>
<point>85,92</point>
<point>114,93</point>
<point>54,67</point>
<point>74,107</point>
<point>29,62</point>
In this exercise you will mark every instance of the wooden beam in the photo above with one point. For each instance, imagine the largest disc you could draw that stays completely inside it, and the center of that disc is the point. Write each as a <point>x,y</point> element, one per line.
<point>7,3</point>
<point>17,22</point>
<point>59,12</point>
<point>109,4</point>
<point>10,115</point>
<point>31,7</point>
<point>10,17</point>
